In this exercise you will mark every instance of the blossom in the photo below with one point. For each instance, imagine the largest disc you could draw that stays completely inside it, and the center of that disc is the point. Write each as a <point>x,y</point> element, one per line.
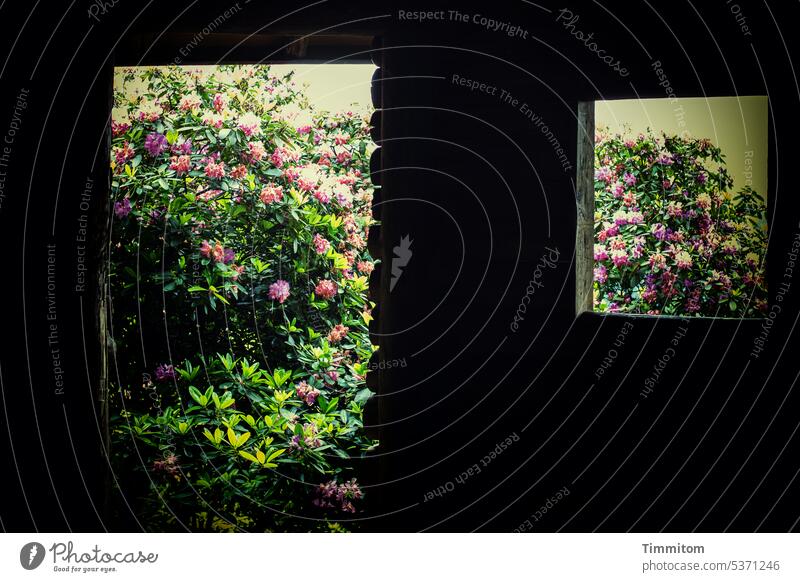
<point>323,196</point>
<point>326,288</point>
<point>190,102</point>
<point>219,102</point>
<point>600,274</point>
<point>365,267</point>
<point>321,244</point>
<point>215,170</point>
<point>657,261</point>
<point>730,246</point>
<point>620,218</point>
<point>123,154</point>
<point>703,201</point>
<point>603,174</point>
<point>279,290</point>
<point>659,231</point>
<point>118,128</point>
<point>619,258</point>
<point>675,209</point>
<point>344,157</point>
<point>702,178</point>
<point>751,259</point>
<point>270,194</point>
<point>122,207</point>
<point>183,146</point>
<point>239,172</point>
<point>255,152</point>
<point>167,464</point>
<point>165,372</point>
<point>683,260</point>
<point>617,243</point>
<point>306,393</point>
<point>600,253</point>
<point>338,333</point>
<point>629,179</point>
<point>278,157</point>
<point>212,119</point>
<point>331,495</point>
<point>250,123</point>
<point>634,217</point>
<point>340,138</point>
<point>665,159</point>
<point>617,190</point>
<point>181,164</point>
<point>155,143</point>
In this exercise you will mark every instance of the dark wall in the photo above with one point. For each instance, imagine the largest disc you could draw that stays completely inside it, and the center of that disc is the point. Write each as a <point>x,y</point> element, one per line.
<point>484,196</point>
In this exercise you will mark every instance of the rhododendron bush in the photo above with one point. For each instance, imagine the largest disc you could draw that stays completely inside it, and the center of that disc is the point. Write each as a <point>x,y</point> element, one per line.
<point>238,283</point>
<point>671,235</point>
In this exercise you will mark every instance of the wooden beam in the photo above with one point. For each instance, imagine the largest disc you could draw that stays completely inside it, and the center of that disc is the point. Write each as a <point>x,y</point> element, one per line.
<point>584,201</point>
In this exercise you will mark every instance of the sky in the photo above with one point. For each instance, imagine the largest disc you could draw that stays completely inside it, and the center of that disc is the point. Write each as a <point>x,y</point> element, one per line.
<point>333,87</point>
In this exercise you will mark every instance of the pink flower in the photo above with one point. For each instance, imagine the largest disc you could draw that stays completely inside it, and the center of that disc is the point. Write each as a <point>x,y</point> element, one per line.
<point>600,253</point>
<point>239,172</point>
<point>617,190</point>
<point>123,154</point>
<point>182,147</point>
<point>619,258</point>
<point>683,260</point>
<point>255,152</point>
<point>629,199</point>
<point>338,333</point>
<point>190,103</point>
<point>119,128</point>
<point>365,267</point>
<point>341,138</point>
<point>603,174</point>
<point>215,170</point>
<point>219,102</point>
<point>270,194</point>
<point>629,179</point>
<point>122,208</point>
<point>279,290</point>
<point>321,245</point>
<point>343,157</point>
<point>601,274</point>
<point>657,261</point>
<point>635,217</point>
<point>165,372</point>
<point>181,164</point>
<point>326,288</point>
<point>155,143</point>
<point>306,393</point>
<point>304,129</point>
<point>205,249</point>
<point>322,196</point>
<point>278,157</point>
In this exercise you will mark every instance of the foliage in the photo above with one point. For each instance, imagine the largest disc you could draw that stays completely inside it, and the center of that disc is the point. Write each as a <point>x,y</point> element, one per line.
<point>239,278</point>
<point>670,235</point>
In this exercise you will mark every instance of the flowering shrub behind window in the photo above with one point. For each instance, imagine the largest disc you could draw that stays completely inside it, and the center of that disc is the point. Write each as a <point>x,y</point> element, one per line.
<point>671,236</point>
<point>239,277</point>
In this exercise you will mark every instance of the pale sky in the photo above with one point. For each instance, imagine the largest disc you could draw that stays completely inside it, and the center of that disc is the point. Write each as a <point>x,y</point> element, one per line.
<point>333,87</point>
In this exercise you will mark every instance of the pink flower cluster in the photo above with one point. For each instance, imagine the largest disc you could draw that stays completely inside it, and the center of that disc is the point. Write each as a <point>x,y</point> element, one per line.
<point>326,288</point>
<point>332,495</point>
<point>279,291</point>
